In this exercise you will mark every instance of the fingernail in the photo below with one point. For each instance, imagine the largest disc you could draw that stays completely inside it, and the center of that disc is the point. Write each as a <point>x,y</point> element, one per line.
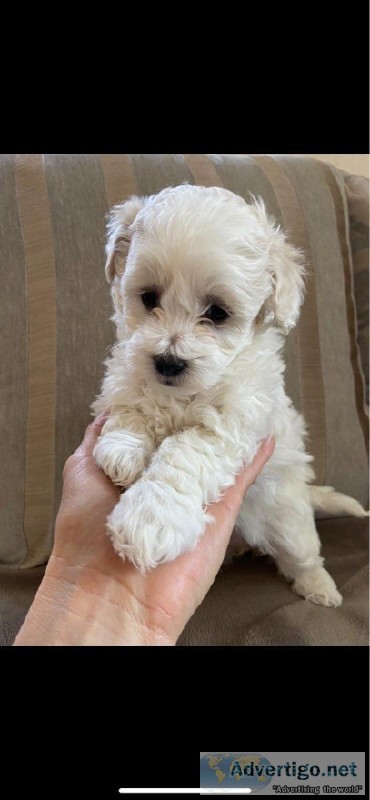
<point>101,418</point>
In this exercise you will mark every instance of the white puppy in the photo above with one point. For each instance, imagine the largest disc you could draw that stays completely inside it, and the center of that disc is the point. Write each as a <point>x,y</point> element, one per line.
<point>203,287</point>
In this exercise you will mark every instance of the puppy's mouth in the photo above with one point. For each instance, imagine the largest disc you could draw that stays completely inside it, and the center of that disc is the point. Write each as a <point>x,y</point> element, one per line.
<point>168,381</point>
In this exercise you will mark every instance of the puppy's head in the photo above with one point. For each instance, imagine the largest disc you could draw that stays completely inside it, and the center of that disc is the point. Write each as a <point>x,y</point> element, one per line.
<point>195,271</point>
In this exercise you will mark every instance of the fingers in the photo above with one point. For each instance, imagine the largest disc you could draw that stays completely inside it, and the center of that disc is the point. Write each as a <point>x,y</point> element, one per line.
<point>92,434</point>
<point>81,465</point>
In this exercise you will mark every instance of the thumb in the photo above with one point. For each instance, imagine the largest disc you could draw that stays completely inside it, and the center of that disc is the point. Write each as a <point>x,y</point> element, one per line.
<point>264,452</point>
<point>248,475</point>
<point>226,510</point>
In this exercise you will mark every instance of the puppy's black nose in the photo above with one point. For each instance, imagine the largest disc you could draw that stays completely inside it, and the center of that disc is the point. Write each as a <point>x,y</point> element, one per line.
<point>169,365</point>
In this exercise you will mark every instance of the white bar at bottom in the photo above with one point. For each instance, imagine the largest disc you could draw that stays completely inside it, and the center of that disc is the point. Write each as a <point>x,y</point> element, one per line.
<point>184,791</point>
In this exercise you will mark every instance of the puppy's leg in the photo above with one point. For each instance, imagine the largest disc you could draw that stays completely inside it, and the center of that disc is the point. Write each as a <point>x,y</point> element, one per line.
<point>162,515</point>
<point>295,545</point>
<point>124,447</point>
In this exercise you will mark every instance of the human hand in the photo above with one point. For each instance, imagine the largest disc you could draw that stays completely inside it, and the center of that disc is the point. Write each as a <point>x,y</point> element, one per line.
<point>89,596</point>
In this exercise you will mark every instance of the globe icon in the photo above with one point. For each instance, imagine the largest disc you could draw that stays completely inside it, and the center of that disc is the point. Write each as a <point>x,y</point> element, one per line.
<point>234,771</point>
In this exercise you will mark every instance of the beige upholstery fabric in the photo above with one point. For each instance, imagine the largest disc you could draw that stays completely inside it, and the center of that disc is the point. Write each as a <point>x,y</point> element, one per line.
<point>17,590</point>
<point>40,289</point>
<point>357,194</point>
<point>55,310</point>
<point>250,604</point>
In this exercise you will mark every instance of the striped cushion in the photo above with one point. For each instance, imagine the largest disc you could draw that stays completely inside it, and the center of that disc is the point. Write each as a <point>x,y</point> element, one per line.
<point>357,193</point>
<point>55,309</point>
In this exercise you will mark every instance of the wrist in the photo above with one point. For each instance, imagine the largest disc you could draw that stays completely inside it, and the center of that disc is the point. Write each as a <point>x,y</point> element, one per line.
<point>75,606</point>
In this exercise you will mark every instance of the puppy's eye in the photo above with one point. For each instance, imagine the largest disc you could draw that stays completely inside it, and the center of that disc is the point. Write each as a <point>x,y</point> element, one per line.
<point>150,300</point>
<point>216,314</point>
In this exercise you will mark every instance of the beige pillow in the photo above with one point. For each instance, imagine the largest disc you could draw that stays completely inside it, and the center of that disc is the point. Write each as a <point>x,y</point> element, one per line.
<point>357,193</point>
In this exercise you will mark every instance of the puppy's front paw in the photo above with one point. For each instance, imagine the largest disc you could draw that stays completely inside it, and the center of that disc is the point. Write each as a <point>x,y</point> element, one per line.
<point>122,456</point>
<point>152,524</point>
<point>318,586</point>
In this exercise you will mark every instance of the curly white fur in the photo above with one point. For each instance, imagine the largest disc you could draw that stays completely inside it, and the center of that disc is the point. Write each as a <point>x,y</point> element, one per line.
<point>176,443</point>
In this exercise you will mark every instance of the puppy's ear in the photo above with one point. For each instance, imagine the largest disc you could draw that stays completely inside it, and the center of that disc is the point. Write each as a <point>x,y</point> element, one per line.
<point>285,265</point>
<point>120,229</point>
<point>288,282</point>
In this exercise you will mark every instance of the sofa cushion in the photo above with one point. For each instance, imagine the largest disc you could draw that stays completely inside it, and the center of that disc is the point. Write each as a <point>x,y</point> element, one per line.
<point>357,194</point>
<point>251,604</point>
<point>17,590</point>
<point>55,308</point>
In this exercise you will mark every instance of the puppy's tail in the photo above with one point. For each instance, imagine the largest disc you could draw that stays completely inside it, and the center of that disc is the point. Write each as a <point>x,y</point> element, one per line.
<point>325,498</point>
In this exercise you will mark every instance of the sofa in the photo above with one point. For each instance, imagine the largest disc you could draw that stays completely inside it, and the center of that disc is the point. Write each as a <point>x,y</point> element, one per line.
<point>56,330</point>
